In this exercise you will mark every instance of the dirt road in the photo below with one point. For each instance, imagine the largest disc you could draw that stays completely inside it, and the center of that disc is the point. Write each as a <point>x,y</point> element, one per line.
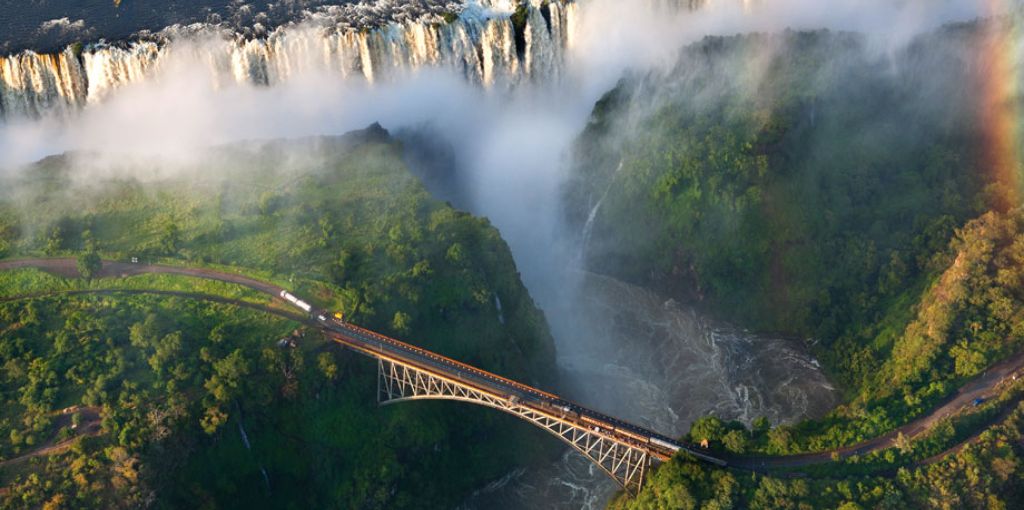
<point>984,386</point>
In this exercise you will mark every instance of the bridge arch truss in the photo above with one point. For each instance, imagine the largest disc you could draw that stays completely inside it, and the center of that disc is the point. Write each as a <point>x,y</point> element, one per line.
<point>624,462</point>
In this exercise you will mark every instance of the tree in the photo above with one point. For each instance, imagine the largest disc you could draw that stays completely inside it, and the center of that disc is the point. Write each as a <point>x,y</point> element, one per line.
<point>707,427</point>
<point>213,419</point>
<point>400,323</point>
<point>167,349</point>
<point>54,241</point>
<point>779,437</point>
<point>146,333</point>
<point>342,268</point>
<point>89,264</point>
<point>228,374</point>
<point>456,254</point>
<point>326,232</point>
<point>170,238</point>
<point>761,425</point>
<point>88,242</point>
<point>325,361</point>
<point>902,442</point>
<point>56,502</point>
<point>967,361</point>
<point>268,203</point>
<point>735,441</point>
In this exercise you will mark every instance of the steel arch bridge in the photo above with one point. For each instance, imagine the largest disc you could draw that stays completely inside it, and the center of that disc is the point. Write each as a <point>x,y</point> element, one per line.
<point>624,462</point>
<point>622,450</point>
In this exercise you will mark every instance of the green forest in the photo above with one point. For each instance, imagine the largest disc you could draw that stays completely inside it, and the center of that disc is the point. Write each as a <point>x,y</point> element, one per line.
<point>806,184</point>
<point>121,399</point>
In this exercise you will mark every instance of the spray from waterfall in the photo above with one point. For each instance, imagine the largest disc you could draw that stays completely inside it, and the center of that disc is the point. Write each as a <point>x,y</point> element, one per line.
<point>481,45</point>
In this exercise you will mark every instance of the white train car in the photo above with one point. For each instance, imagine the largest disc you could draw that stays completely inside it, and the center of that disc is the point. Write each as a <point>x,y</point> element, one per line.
<point>306,307</point>
<point>665,444</point>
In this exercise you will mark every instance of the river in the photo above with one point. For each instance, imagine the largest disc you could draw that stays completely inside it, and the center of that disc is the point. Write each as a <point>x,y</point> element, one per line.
<point>626,351</point>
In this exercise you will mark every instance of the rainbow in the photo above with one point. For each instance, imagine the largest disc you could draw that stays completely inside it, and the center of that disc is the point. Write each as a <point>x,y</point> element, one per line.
<point>999,112</point>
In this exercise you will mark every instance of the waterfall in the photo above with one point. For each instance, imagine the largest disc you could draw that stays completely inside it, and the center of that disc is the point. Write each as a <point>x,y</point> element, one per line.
<point>245,440</point>
<point>480,44</point>
<point>497,304</point>
<point>245,437</point>
<point>266,479</point>
<point>498,55</point>
<point>588,226</point>
<point>31,83</point>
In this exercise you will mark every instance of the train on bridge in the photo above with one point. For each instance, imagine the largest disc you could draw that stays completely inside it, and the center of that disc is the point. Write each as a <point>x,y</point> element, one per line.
<point>373,343</point>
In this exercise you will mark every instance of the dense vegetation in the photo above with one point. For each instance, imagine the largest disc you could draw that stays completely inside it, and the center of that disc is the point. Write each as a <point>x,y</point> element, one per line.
<point>985,475</point>
<point>949,467</point>
<point>779,178</point>
<point>179,403</point>
<point>805,183</point>
<point>970,316</point>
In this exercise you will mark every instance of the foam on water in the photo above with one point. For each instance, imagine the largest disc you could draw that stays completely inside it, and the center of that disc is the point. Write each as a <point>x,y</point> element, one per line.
<point>626,351</point>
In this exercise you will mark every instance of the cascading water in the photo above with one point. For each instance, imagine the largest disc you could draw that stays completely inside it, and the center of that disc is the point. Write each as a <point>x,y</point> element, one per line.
<point>588,226</point>
<point>480,44</point>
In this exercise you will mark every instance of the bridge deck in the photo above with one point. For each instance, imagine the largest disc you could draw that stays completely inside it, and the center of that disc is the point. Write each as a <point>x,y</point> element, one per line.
<point>376,345</point>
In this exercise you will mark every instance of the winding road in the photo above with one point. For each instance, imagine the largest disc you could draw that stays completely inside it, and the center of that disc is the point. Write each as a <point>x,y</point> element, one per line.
<point>982,387</point>
<point>68,268</point>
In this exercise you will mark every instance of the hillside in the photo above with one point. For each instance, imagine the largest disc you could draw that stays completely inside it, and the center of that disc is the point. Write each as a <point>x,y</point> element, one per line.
<point>191,404</point>
<point>809,184</point>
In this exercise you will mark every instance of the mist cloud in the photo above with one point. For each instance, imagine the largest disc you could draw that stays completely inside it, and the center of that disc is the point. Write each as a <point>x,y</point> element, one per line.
<point>513,144</point>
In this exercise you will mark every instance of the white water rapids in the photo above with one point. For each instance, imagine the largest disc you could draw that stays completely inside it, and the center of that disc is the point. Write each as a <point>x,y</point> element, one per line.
<point>624,350</point>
